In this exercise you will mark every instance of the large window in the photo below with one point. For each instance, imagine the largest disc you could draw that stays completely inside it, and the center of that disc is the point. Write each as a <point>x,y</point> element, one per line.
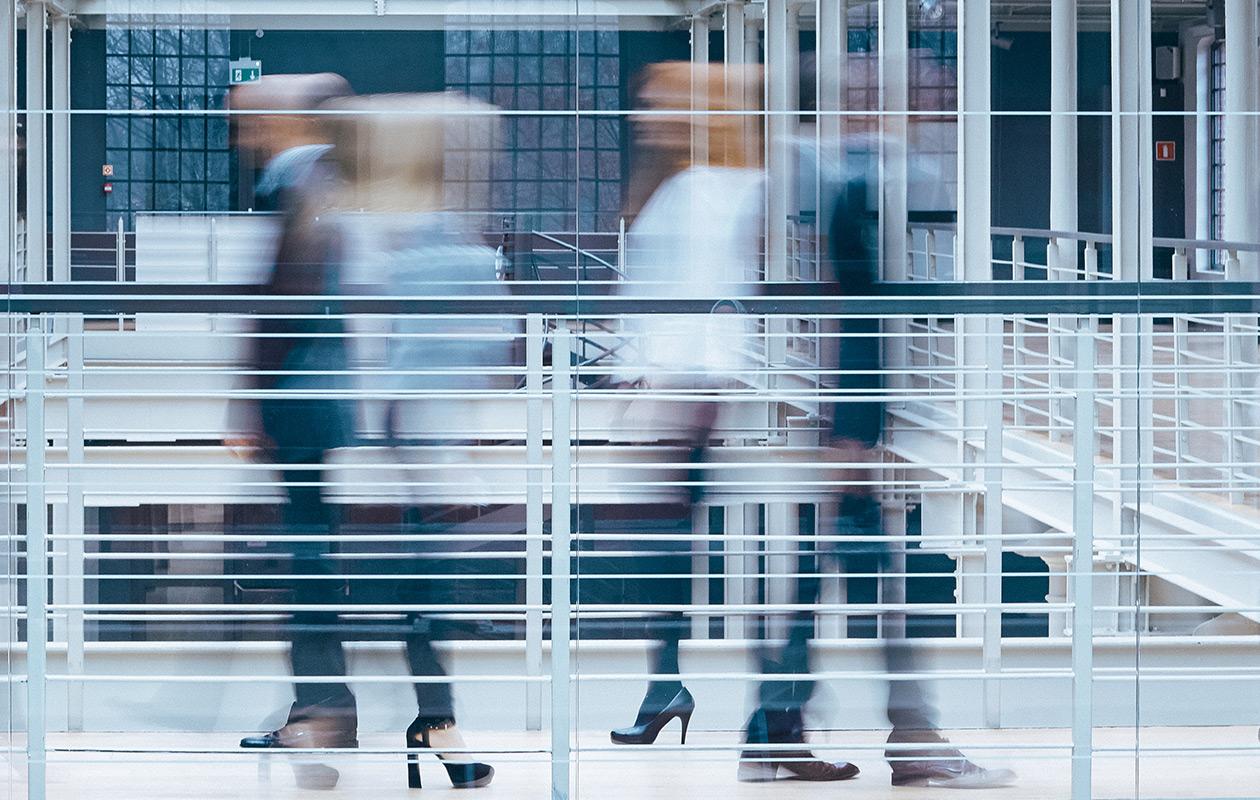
<point>176,159</point>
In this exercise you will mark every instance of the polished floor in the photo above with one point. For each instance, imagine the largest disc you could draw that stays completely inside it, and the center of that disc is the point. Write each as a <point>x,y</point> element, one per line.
<point>1217,762</point>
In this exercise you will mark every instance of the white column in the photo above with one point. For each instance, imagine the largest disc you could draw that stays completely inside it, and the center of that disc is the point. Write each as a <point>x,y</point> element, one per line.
<point>782,562</point>
<point>36,567</point>
<point>1242,214</point>
<point>8,99</point>
<point>832,67</point>
<point>534,562</point>
<point>734,20</point>
<point>60,152</point>
<point>1063,141</point>
<point>561,573</point>
<point>76,567</point>
<point>36,145</point>
<point>894,102</point>
<point>1082,580</point>
<point>1130,139</point>
<point>1202,148</point>
<point>739,562</point>
<point>738,27</point>
<point>1131,217</point>
<point>981,344</point>
<point>700,569</point>
<point>1242,201</point>
<point>782,82</point>
<point>699,88</point>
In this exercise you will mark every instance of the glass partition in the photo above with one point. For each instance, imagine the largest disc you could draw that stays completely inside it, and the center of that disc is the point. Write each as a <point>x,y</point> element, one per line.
<point>643,398</point>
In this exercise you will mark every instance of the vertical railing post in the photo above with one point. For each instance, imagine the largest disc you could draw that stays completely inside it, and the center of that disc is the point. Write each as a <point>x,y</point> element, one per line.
<point>993,502</point>
<point>212,250</point>
<point>621,245</point>
<point>76,571</point>
<point>561,543</point>
<point>1082,570</point>
<point>533,518</point>
<point>700,568</point>
<point>120,258</point>
<point>929,253</point>
<point>120,252</point>
<point>1181,393</point>
<point>1091,260</point>
<point>1057,331</point>
<point>1018,260</point>
<point>36,566</point>
<point>1234,349</point>
<point>1019,329</point>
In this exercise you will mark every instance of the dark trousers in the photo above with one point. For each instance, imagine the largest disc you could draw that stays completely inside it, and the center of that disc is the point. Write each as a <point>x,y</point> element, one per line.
<point>301,431</point>
<point>908,705</point>
<point>433,699</point>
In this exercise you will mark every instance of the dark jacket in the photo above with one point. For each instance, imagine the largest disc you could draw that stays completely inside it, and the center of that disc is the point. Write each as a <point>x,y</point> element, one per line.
<point>306,354</point>
<point>855,268</point>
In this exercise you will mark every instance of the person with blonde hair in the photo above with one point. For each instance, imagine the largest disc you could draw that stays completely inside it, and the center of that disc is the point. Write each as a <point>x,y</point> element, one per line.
<point>698,234</point>
<point>395,212</point>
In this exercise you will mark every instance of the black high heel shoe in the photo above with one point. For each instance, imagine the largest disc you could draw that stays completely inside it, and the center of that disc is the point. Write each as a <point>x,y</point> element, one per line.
<point>649,725</point>
<point>463,774</point>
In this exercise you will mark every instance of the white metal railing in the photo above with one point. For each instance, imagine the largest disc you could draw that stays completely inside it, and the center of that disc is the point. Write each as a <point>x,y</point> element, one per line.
<point>954,450</point>
<point>1204,422</point>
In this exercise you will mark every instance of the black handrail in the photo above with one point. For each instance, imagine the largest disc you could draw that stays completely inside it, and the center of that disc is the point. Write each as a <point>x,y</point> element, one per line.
<point>596,300</point>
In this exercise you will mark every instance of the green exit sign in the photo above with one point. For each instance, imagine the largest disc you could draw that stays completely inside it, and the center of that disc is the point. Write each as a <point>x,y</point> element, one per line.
<point>244,70</point>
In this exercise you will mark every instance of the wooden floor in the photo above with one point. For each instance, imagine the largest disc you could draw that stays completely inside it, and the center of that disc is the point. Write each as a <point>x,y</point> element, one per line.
<point>1221,762</point>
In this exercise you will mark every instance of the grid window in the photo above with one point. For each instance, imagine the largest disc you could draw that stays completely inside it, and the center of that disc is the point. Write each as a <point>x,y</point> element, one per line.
<point>534,162</point>
<point>166,70</point>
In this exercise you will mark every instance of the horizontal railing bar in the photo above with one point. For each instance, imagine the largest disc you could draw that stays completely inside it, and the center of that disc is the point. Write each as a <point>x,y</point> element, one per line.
<point>592,299</point>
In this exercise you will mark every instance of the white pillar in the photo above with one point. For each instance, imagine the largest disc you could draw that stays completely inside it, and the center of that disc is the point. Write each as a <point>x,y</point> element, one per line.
<point>1061,258</point>
<point>36,146</point>
<point>739,563</point>
<point>738,27</point>
<point>60,152</point>
<point>832,67</point>
<point>1131,218</point>
<point>1242,201</point>
<point>699,88</point>
<point>1063,141</point>
<point>781,86</point>
<point>1203,148</point>
<point>894,102</point>
<point>982,352</point>
<point>782,56</point>
<point>782,563</point>
<point>1242,215</point>
<point>8,162</point>
<point>733,21</point>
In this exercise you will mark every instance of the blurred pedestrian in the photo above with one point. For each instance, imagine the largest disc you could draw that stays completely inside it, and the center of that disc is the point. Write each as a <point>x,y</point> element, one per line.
<point>299,364</point>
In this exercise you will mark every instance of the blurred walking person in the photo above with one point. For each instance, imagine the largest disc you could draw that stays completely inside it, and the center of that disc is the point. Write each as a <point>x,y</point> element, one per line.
<point>696,235</point>
<point>295,359</point>
<point>917,753</point>
<point>402,240</point>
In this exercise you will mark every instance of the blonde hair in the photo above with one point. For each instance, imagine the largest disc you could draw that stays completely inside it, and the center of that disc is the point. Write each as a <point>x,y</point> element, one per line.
<point>719,98</point>
<point>392,149</point>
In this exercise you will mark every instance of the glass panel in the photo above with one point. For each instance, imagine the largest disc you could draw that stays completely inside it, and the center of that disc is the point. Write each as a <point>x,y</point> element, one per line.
<point>798,388</point>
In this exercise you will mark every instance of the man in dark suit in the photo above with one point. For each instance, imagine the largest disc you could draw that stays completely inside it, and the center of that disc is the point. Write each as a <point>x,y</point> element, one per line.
<point>917,753</point>
<point>294,361</point>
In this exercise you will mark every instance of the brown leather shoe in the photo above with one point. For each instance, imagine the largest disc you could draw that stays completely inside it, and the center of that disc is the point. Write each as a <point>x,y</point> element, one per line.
<point>795,765</point>
<point>940,767</point>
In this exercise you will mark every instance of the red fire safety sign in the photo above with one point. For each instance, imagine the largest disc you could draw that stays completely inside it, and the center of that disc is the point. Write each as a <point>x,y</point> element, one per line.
<point>1165,151</point>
